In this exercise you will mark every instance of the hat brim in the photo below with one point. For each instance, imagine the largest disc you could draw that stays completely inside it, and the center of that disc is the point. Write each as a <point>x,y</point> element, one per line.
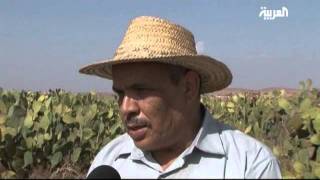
<point>214,74</point>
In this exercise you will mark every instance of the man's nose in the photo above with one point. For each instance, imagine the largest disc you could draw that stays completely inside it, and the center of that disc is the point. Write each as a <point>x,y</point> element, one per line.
<point>129,107</point>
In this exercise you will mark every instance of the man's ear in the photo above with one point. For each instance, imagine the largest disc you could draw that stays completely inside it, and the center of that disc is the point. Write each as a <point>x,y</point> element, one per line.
<point>192,85</point>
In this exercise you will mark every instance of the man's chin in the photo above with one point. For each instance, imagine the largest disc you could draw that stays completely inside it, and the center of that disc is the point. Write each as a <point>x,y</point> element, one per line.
<point>143,145</point>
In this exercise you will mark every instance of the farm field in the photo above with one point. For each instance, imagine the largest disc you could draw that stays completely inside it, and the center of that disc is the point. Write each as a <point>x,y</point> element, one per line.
<point>57,134</point>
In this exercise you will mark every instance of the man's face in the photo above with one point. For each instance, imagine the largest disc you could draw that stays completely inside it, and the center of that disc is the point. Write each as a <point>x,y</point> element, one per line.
<point>152,107</point>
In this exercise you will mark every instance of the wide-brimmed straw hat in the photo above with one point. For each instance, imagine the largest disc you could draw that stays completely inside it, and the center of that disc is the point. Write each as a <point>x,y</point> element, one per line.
<point>155,40</point>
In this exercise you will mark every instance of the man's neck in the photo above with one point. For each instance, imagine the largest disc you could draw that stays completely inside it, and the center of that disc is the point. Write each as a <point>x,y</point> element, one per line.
<point>165,157</point>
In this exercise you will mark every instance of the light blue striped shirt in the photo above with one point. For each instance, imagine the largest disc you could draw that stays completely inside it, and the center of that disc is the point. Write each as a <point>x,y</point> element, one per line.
<point>218,151</point>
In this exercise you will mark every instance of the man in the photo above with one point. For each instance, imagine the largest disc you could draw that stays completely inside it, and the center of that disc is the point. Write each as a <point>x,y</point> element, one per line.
<point>159,77</point>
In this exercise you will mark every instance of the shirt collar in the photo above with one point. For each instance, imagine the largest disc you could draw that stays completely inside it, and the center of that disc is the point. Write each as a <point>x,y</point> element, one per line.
<point>207,139</point>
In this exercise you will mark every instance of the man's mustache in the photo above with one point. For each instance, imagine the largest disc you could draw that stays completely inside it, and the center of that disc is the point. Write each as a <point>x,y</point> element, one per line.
<point>135,122</point>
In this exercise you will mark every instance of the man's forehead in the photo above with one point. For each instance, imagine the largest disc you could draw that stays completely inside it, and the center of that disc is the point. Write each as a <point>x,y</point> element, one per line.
<point>139,74</point>
<point>131,82</point>
<point>139,70</point>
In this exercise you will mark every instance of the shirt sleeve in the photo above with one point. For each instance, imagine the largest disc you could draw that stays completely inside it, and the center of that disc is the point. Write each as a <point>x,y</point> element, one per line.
<point>264,166</point>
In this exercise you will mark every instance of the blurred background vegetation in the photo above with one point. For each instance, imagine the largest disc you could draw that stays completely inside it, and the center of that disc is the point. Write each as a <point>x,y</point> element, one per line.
<point>56,134</point>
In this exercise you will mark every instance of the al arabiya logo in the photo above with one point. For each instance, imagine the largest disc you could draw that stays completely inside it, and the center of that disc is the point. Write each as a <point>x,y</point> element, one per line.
<point>269,14</point>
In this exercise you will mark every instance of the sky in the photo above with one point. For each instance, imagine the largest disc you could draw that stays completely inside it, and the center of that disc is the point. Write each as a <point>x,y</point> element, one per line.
<point>43,43</point>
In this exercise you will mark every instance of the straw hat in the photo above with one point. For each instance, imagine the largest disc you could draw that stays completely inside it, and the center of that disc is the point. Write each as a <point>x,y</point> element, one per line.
<point>155,40</point>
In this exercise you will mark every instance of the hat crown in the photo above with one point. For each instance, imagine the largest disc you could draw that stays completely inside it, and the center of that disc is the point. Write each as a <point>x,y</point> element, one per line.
<point>152,37</point>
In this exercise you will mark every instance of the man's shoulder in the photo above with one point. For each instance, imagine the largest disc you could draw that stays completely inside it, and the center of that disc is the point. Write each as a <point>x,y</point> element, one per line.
<point>119,140</point>
<point>247,153</point>
<point>233,139</point>
<point>111,151</point>
<point>117,146</point>
<point>237,138</point>
<point>241,146</point>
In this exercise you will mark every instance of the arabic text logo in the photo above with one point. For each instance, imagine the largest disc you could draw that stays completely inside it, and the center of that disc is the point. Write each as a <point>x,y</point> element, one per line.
<point>269,14</point>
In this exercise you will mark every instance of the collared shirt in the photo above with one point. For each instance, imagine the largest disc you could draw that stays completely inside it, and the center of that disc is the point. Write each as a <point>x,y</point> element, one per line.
<point>218,151</point>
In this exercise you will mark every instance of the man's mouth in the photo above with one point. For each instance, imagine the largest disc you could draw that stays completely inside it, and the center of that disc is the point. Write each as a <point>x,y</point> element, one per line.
<point>137,132</point>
